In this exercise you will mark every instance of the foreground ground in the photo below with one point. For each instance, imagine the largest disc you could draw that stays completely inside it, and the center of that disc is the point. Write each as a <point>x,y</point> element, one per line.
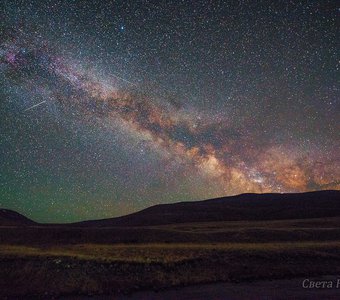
<point>54,261</point>
<point>280,289</point>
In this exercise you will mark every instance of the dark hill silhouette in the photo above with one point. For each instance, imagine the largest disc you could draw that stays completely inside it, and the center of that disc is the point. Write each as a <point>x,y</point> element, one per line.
<point>319,204</point>
<point>244,207</point>
<point>12,218</point>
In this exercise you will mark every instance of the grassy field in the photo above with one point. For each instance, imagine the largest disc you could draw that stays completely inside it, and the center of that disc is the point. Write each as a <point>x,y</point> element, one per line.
<point>211,232</point>
<point>53,261</point>
<point>164,253</point>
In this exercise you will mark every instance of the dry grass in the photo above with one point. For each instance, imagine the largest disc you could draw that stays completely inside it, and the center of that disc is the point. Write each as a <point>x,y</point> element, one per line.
<point>202,233</point>
<point>66,261</point>
<point>160,252</point>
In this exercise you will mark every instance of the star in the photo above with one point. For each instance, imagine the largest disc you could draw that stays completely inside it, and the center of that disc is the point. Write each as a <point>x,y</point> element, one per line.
<point>102,115</point>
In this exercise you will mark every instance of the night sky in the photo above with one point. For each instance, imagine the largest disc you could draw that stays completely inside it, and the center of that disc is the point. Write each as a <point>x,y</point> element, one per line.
<point>108,107</point>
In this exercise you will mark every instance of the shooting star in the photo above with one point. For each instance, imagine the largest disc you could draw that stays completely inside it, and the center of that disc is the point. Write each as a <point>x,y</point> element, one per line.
<point>123,79</point>
<point>35,105</point>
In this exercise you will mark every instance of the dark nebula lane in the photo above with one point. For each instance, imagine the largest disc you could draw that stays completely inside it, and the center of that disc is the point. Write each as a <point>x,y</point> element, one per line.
<point>109,107</point>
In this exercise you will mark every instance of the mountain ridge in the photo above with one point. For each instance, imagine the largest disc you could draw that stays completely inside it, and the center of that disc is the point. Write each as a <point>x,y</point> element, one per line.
<point>233,208</point>
<point>10,217</point>
<point>242,207</point>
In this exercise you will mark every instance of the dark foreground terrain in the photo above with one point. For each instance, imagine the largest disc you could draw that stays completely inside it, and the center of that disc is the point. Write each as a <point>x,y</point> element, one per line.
<point>44,261</point>
<point>280,289</point>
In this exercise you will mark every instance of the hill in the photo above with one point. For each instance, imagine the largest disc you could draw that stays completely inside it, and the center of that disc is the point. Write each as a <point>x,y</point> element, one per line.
<point>244,207</point>
<point>232,239</point>
<point>12,218</point>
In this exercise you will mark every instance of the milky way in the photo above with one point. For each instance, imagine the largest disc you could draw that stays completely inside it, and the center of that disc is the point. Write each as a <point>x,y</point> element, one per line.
<point>103,134</point>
